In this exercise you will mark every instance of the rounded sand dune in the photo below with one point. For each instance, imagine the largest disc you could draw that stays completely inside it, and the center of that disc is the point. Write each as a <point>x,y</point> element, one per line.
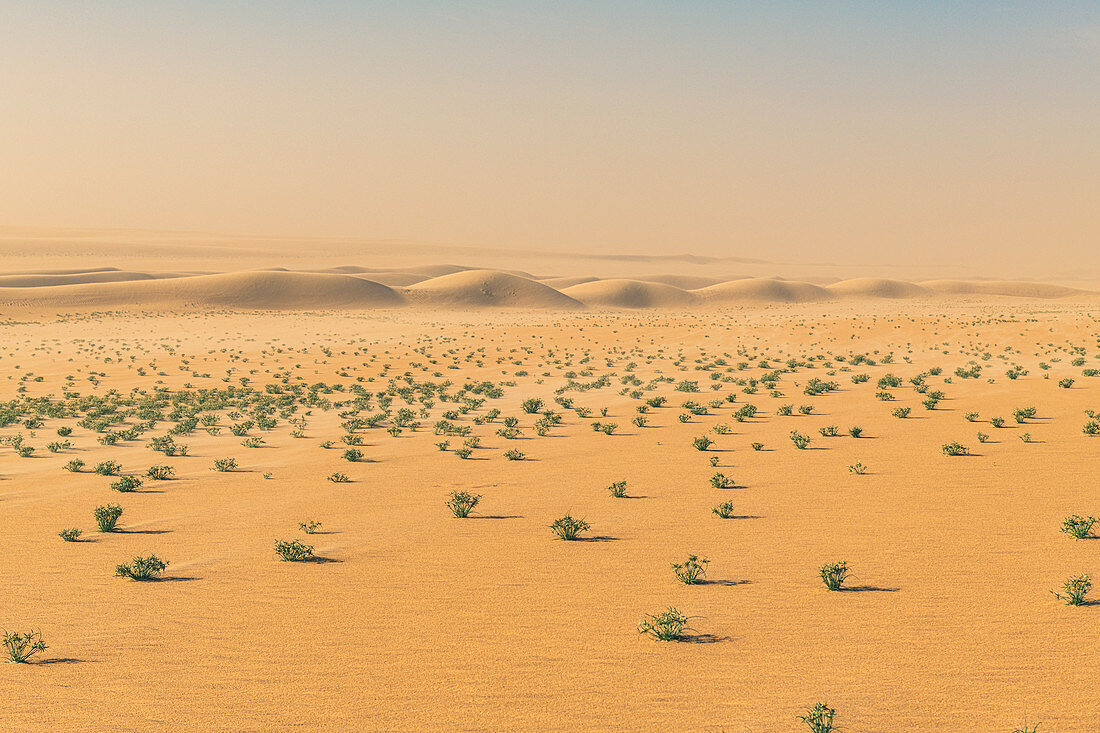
<point>763,290</point>
<point>1013,289</point>
<point>245,290</point>
<point>629,294</point>
<point>560,283</point>
<point>685,282</point>
<point>77,278</point>
<point>488,288</point>
<point>393,279</point>
<point>877,287</point>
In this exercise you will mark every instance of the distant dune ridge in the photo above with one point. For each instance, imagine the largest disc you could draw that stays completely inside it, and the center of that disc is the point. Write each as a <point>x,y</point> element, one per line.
<point>457,286</point>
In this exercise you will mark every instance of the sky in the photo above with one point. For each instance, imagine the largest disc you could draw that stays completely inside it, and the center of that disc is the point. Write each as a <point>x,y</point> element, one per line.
<point>818,131</point>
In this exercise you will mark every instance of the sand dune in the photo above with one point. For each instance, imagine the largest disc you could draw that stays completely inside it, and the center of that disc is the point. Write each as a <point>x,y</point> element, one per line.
<point>488,288</point>
<point>355,286</point>
<point>560,283</point>
<point>271,289</point>
<point>873,287</point>
<point>686,282</point>
<point>394,279</point>
<point>1014,289</point>
<point>101,276</point>
<point>763,290</point>
<point>629,294</point>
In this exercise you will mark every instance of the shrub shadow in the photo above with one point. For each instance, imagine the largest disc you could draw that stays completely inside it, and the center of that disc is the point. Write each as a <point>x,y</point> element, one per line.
<point>868,589</point>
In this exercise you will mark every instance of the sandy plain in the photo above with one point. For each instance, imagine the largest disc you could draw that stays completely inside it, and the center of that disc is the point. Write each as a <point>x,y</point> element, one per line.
<point>414,620</point>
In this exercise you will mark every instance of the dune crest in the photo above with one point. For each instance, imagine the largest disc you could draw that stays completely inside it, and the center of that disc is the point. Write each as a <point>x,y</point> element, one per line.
<point>764,290</point>
<point>629,294</point>
<point>488,288</point>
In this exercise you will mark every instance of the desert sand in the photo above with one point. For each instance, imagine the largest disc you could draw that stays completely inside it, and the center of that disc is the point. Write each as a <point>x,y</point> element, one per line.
<point>410,619</point>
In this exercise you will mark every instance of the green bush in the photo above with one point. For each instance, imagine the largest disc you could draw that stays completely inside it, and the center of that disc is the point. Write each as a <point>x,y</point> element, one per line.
<point>531,405</point>
<point>224,464</point>
<point>515,455</point>
<point>819,718</point>
<point>723,510</point>
<point>293,551</point>
<point>21,647</point>
<point>954,449</point>
<point>141,568</point>
<point>618,489</point>
<point>338,478</point>
<point>106,517</point>
<point>75,465</point>
<point>160,473</point>
<point>70,535</point>
<point>800,441</point>
<point>1077,526</point>
<point>568,528</point>
<point>309,527</point>
<point>691,570</point>
<point>1076,588</point>
<point>702,443</point>
<point>721,481</point>
<point>461,503</point>
<point>108,468</point>
<point>901,412</point>
<point>834,574</point>
<point>126,484</point>
<point>668,625</point>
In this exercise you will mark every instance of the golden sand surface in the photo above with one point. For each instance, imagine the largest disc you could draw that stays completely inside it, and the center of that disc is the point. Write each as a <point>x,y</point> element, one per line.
<point>410,619</point>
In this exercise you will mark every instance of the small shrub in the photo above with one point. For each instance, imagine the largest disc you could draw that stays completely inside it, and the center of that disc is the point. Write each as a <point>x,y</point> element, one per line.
<point>800,441</point>
<point>70,535</point>
<point>858,468</point>
<point>713,461</point>
<point>702,443</point>
<point>352,455</point>
<point>758,446</point>
<point>567,528</point>
<point>106,517</point>
<point>721,481</point>
<point>830,431</point>
<point>515,455</point>
<point>1077,526</point>
<point>971,416</point>
<point>1065,383</point>
<point>338,478</point>
<point>618,489</point>
<point>461,503</point>
<point>293,551</point>
<point>1076,588</point>
<point>691,570</point>
<point>855,431</point>
<point>723,510</point>
<point>126,484</point>
<point>902,412</point>
<point>309,527</point>
<point>997,422</point>
<point>668,625</point>
<point>21,647</point>
<point>785,410</point>
<point>108,468</point>
<point>954,449</point>
<point>531,405</point>
<point>805,409</point>
<point>160,473</point>
<point>224,464</point>
<point>75,465</point>
<point>464,452</point>
<point>834,574</point>
<point>141,568</point>
<point>819,718</point>
<point>983,437</point>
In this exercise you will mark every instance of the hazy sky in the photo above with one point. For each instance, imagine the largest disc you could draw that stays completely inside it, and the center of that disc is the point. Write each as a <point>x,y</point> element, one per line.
<point>868,131</point>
